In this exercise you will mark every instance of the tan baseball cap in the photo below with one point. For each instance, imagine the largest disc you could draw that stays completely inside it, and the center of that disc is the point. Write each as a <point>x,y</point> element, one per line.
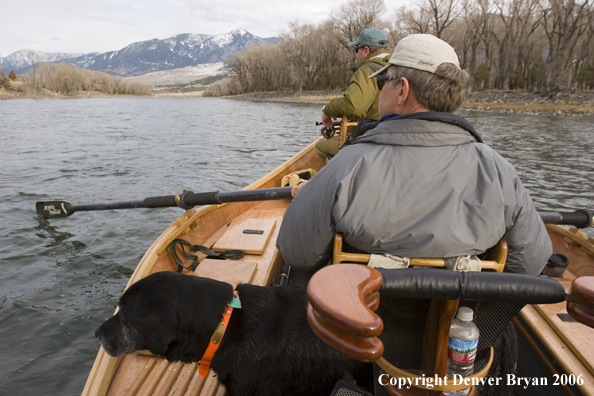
<point>422,52</point>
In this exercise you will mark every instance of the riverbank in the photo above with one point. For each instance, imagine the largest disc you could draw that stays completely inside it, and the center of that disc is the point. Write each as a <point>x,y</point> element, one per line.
<point>22,90</point>
<point>566,103</point>
<point>578,103</point>
<point>46,94</point>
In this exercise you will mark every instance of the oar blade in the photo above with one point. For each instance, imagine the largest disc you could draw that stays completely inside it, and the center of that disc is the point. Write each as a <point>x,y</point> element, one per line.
<point>54,209</point>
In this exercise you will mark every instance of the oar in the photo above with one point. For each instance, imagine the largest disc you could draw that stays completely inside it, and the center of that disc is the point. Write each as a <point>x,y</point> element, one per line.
<point>56,209</point>
<point>187,200</point>
<point>581,218</point>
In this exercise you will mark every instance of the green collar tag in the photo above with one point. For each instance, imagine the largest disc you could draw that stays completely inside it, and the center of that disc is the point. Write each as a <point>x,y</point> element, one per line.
<point>235,302</point>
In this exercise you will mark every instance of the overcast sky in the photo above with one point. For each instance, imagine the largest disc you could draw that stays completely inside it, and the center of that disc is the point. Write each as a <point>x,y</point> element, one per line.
<point>82,26</point>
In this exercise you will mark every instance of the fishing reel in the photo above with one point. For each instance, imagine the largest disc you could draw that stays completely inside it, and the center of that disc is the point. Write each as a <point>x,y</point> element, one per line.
<point>326,132</point>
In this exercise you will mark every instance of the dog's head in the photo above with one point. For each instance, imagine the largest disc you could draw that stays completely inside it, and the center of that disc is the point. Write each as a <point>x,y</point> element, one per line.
<point>170,314</point>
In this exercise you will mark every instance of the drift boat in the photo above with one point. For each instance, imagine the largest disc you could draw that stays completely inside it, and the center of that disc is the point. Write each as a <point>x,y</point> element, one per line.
<point>566,347</point>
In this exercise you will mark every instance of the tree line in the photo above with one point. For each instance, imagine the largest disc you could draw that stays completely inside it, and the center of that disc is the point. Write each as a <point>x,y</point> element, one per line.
<point>504,44</point>
<point>68,79</point>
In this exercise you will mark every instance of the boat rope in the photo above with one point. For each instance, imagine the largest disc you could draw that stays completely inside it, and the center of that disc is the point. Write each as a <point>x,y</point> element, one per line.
<point>172,250</point>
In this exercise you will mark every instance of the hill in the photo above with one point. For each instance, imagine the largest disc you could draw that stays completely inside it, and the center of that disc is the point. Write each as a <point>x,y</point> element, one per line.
<point>136,59</point>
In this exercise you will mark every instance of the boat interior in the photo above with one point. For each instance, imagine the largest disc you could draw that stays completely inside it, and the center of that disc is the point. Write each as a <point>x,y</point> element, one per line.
<point>352,305</point>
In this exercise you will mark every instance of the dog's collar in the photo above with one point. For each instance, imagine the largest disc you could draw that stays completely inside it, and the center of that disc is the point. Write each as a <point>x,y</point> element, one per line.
<point>215,340</point>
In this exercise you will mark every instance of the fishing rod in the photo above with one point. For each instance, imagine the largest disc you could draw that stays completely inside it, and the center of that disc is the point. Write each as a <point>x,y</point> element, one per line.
<point>56,209</point>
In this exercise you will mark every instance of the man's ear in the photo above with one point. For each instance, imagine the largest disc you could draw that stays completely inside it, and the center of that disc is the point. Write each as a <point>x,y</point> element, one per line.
<point>403,91</point>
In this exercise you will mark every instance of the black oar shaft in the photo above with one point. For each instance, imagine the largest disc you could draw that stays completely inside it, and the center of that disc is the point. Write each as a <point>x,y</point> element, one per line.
<point>187,200</point>
<point>581,218</point>
<point>108,206</point>
<point>190,199</point>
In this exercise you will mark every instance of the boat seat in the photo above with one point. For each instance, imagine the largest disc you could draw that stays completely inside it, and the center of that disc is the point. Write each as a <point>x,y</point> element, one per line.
<point>342,125</point>
<point>495,260</point>
<point>406,332</point>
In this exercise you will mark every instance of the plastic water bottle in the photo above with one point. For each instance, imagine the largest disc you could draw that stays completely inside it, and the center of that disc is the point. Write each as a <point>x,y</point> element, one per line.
<point>462,346</point>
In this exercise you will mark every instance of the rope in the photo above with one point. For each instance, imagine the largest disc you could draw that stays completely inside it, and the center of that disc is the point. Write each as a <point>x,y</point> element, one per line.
<point>171,249</point>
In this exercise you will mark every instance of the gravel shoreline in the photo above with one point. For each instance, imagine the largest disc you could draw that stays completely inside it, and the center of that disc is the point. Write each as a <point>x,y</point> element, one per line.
<point>567,103</point>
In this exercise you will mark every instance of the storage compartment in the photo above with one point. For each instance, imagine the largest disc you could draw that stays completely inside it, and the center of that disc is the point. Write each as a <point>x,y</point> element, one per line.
<point>250,235</point>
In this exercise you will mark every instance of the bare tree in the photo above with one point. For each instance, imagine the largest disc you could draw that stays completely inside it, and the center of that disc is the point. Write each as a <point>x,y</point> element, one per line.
<point>355,16</point>
<point>34,59</point>
<point>477,25</point>
<point>442,14</point>
<point>584,65</point>
<point>513,37</point>
<point>565,23</point>
<point>301,49</point>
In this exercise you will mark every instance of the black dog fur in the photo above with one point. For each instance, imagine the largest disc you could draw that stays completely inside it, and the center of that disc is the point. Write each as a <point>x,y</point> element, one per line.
<point>268,347</point>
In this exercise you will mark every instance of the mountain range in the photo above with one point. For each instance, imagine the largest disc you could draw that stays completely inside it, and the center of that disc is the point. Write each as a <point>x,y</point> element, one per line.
<point>148,56</point>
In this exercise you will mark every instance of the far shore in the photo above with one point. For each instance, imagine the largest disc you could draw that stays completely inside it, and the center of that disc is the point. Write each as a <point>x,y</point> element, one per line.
<point>578,103</point>
<point>561,102</point>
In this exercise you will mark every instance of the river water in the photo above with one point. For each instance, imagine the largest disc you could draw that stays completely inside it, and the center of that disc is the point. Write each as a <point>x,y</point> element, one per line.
<point>61,279</point>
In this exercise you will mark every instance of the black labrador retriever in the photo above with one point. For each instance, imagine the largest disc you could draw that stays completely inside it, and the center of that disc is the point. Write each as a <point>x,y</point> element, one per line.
<point>267,349</point>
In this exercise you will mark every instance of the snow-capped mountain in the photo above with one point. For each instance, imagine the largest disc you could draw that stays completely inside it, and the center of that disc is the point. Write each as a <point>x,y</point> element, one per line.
<point>148,56</point>
<point>21,60</point>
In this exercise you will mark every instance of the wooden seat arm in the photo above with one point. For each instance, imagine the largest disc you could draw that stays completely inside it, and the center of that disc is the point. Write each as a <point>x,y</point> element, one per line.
<point>342,301</point>
<point>580,300</point>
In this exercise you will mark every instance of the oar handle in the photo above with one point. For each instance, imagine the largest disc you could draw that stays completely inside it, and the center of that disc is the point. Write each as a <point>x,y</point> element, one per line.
<point>190,199</point>
<point>581,218</point>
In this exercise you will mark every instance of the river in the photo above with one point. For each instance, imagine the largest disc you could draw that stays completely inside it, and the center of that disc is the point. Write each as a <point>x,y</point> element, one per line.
<point>61,279</point>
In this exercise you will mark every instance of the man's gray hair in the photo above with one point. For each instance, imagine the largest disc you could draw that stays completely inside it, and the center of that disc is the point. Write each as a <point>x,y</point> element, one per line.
<point>443,90</point>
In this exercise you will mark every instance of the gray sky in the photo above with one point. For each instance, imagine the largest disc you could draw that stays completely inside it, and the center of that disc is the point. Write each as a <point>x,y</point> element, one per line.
<point>84,26</point>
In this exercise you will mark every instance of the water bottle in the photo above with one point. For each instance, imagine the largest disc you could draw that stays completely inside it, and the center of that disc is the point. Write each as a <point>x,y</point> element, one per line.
<point>462,346</point>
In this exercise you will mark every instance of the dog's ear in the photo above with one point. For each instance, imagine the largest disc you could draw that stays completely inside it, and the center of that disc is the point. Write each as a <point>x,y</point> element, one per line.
<point>174,314</point>
<point>197,317</point>
<point>159,332</point>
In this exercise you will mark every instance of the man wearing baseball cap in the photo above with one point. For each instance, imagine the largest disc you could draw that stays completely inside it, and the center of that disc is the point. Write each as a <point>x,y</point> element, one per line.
<point>360,99</point>
<point>421,183</point>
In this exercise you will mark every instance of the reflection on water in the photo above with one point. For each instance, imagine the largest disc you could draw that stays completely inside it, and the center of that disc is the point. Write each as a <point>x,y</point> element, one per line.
<point>61,278</point>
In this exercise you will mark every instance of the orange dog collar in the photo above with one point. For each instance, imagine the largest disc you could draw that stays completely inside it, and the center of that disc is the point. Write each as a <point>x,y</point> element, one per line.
<point>217,336</point>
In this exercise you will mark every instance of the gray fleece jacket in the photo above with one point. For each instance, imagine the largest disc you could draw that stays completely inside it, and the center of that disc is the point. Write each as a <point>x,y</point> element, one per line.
<point>416,186</point>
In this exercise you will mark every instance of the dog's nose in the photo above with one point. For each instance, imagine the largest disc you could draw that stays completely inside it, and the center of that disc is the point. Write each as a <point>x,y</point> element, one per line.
<point>98,331</point>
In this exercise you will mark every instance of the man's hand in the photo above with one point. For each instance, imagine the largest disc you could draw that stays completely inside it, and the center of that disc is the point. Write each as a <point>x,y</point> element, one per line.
<point>327,120</point>
<point>296,189</point>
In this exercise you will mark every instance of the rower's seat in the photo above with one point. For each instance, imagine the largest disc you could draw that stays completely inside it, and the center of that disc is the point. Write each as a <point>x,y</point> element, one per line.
<point>416,310</point>
<point>495,259</point>
<point>342,125</point>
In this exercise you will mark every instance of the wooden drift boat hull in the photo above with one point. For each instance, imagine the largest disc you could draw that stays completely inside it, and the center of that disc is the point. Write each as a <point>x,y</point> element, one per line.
<point>565,346</point>
<point>143,374</point>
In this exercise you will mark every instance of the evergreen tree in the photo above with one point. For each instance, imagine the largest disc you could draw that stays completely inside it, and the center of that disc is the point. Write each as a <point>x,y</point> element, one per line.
<point>12,75</point>
<point>4,81</point>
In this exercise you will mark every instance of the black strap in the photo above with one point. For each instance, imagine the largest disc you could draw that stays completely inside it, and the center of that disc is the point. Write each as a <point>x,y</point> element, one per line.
<point>171,249</point>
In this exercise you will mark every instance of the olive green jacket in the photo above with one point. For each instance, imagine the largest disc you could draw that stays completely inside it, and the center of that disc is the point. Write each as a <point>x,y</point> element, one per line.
<point>361,97</point>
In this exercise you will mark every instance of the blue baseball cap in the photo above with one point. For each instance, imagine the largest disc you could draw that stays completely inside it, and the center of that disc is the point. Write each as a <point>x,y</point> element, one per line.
<point>371,38</point>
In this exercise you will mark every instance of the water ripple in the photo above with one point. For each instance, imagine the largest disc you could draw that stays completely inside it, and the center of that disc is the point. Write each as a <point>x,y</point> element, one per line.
<point>62,278</point>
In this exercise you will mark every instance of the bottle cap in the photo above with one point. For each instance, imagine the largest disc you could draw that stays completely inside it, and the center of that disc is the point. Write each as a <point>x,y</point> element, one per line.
<point>465,314</point>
